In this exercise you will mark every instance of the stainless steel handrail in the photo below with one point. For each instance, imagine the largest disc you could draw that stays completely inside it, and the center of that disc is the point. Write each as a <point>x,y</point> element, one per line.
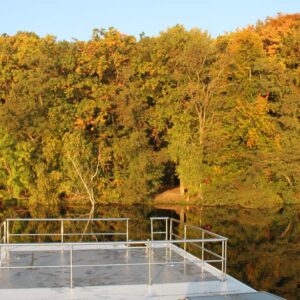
<point>198,228</point>
<point>206,231</point>
<point>219,238</point>
<point>71,247</point>
<point>205,238</point>
<point>166,220</point>
<point>2,232</point>
<point>68,219</point>
<point>110,243</point>
<point>7,233</point>
<point>68,234</point>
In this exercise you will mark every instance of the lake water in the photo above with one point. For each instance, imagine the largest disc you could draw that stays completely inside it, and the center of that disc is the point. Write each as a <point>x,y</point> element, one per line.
<point>263,246</point>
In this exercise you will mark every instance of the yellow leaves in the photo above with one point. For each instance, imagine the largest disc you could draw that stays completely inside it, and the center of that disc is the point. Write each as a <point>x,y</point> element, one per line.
<point>261,104</point>
<point>79,123</point>
<point>104,55</point>
<point>56,175</point>
<point>217,169</point>
<point>257,127</point>
<point>244,41</point>
<point>50,39</point>
<point>252,138</point>
<point>90,123</point>
<point>111,43</point>
<point>244,53</point>
<point>101,67</point>
<point>27,47</point>
<point>101,119</point>
<point>277,142</point>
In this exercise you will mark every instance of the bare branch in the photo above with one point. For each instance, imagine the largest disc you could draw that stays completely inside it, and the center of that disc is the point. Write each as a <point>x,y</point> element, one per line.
<point>84,183</point>
<point>98,164</point>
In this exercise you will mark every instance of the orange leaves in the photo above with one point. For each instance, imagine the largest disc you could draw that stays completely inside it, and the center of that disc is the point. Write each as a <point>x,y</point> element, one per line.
<point>89,124</point>
<point>274,30</point>
<point>245,41</point>
<point>79,123</point>
<point>244,54</point>
<point>104,55</point>
<point>261,104</point>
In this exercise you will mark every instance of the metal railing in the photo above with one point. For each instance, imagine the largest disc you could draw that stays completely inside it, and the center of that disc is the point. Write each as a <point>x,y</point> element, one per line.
<point>220,257</point>
<point>6,228</point>
<point>3,232</point>
<point>164,219</point>
<point>149,246</point>
<point>173,241</point>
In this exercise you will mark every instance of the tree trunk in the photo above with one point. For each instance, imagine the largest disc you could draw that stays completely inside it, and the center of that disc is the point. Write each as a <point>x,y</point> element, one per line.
<point>182,189</point>
<point>182,216</point>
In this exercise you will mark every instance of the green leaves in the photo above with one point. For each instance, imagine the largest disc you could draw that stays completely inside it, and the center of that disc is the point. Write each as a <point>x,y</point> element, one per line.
<point>104,119</point>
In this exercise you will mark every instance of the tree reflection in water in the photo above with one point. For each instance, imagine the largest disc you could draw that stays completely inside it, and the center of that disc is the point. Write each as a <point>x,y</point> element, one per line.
<point>263,247</point>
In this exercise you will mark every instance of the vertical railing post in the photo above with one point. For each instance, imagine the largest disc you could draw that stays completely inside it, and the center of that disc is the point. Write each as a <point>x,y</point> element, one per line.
<point>71,266</point>
<point>225,259</point>
<point>4,232</point>
<point>167,237</point>
<point>149,262</point>
<point>7,232</point>
<point>61,230</point>
<point>171,229</point>
<point>222,260</point>
<point>127,231</point>
<point>184,237</point>
<point>167,221</point>
<point>171,237</point>
<point>151,229</point>
<point>202,254</point>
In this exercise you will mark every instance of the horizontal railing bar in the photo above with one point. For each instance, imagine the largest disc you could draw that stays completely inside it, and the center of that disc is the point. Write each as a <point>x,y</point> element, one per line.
<point>177,221</point>
<point>99,233</point>
<point>213,253</point>
<point>159,232</point>
<point>137,264</point>
<point>198,246</point>
<point>206,250</point>
<point>66,234</point>
<point>159,218</point>
<point>70,219</point>
<point>206,231</point>
<point>173,234</point>
<point>113,242</point>
<point>34,234</point>
<point>33,267</point>
<point>199,228</point>
<point>213,260</point>
<point>104,265</point>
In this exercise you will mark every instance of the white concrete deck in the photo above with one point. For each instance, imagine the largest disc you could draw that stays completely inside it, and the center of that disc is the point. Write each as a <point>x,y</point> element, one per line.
<point>175,274</point>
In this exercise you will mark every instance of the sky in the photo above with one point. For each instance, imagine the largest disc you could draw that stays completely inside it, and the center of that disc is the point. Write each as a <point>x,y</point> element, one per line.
<point>68,19</point>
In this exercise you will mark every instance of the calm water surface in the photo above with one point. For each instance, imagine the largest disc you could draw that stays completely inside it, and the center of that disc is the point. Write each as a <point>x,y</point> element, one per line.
<point>263,247</point>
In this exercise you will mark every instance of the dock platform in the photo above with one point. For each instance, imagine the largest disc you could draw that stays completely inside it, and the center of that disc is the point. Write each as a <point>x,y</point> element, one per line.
<point>150,269</point>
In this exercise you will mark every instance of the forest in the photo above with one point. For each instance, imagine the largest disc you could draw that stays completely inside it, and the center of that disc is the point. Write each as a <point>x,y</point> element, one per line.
<point>120,119</point>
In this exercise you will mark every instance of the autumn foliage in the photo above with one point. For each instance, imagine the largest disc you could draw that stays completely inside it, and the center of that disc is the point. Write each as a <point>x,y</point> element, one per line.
<point>219,117</point>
